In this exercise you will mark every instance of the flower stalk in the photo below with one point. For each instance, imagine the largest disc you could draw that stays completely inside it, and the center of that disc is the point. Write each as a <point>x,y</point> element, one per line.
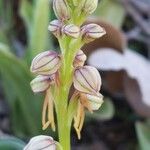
<point>57,72</point>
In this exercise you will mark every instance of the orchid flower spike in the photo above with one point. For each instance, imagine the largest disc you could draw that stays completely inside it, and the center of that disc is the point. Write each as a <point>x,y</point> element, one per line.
<point>57,72</point>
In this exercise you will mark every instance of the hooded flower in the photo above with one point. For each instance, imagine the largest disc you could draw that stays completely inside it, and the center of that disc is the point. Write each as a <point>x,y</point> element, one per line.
<point>92,31</point>
<point>41,142</point>
<point>71,30</point>
<point>87,80</point>
<point>46,63</point>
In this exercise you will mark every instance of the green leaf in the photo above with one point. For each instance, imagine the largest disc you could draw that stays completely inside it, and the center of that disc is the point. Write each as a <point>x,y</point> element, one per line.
<point>143,133</point>
<point>39,33</point>
<point>26,107</point>
<point>3,37</point>
<point>26,11</point>
<point>106,111</point>
<point>111,11</point>
<point>10,143</point>
<point>6,21</point>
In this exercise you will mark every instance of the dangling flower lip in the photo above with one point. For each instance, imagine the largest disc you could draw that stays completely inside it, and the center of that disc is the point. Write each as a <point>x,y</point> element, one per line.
<point>79,119</point>
<point>87,80</point>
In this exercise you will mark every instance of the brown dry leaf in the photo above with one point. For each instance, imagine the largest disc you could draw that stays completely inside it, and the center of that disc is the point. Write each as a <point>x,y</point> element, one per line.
<point>112,82</point>
<point>134,97</point>
<point>136,67</point>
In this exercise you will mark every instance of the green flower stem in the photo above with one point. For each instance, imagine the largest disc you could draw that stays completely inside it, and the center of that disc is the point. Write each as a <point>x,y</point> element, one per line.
<point>64,108</point>
<point>63,129</point>
<point>64,118</point>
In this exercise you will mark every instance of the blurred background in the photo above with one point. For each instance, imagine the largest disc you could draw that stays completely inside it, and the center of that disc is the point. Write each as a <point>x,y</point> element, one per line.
<point>122,56</point>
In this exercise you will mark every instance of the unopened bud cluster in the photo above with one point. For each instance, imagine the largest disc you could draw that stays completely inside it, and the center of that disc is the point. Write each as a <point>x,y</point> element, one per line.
<point>62,26</point>
<point>53,72</point>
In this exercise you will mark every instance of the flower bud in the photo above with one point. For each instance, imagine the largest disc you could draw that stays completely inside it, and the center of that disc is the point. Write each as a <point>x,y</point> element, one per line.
<point>55,27</point>
<point>40,83</point>
<point>80,59</point>
<point>95,101</point>
<point>61,9</point>
<point>45,63</point>
<point>41,142</point>
<point>92,31</point>
<point>89,6</point>
<point>71,30</point>
<point>87,80</point>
